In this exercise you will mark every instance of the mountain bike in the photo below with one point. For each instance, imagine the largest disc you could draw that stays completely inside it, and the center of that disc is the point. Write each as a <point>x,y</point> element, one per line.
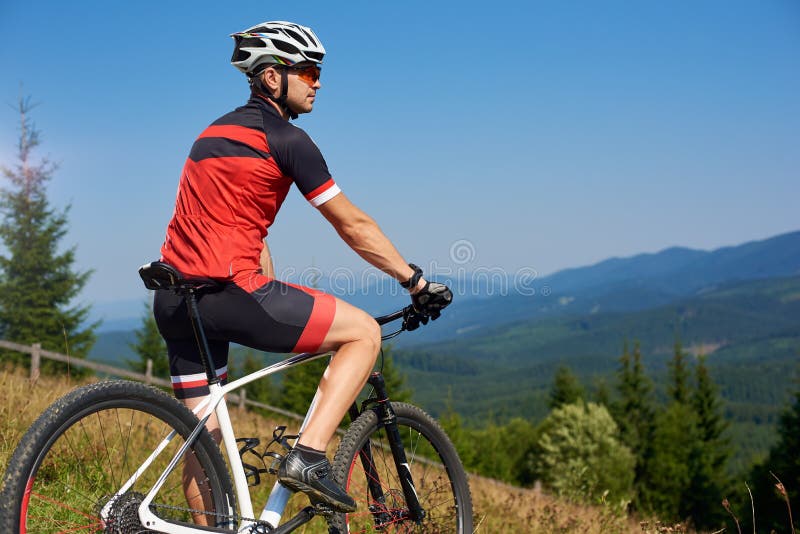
<point>109,457</point>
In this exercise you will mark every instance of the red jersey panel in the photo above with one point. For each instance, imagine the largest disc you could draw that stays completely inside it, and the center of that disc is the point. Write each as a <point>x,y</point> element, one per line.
<point>238,174</point>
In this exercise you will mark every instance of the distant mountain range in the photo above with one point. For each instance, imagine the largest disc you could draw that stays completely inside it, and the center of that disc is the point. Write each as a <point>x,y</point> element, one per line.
<point>640,282</point>
<point>683,271</point>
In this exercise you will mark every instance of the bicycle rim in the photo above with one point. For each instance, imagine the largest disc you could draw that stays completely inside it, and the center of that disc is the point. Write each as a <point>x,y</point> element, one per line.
<point>80,452</point>
<point>438,475</point>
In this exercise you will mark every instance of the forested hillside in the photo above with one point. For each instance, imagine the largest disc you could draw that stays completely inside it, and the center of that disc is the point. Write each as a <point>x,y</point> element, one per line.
<point>754,323</point>
<point>750,332</point>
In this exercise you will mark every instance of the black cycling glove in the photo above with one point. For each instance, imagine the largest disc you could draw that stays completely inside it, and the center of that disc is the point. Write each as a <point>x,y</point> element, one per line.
<point>432,299</point>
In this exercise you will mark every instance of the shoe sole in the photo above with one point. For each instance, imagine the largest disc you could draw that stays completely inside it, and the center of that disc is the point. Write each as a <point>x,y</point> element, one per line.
<point>315,494</point>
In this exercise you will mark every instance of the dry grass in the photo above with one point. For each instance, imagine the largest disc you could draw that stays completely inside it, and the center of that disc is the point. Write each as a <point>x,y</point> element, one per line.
<point>499,508</point>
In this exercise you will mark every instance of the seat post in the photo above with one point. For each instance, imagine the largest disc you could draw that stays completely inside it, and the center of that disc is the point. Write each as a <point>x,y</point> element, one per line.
<point>200,336</point>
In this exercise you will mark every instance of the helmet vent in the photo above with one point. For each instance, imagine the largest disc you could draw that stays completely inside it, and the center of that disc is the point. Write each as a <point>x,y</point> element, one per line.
<point>285,47</point>
<point>262,29</point>
<point>315,55</point>
<point>310,37</point>
<point>252,42</point>
<point>296,36</point>
<point>240,55</point>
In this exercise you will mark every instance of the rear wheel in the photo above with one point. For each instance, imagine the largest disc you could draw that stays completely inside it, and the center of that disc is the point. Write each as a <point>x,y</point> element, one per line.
<point>82,449</point>
<point>439,478</point>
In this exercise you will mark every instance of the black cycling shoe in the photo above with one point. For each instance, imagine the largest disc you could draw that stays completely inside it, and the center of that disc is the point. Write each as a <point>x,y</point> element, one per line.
<point>314,480</point>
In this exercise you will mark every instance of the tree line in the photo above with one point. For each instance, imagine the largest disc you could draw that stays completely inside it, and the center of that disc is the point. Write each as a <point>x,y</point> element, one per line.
<point>623,447</point>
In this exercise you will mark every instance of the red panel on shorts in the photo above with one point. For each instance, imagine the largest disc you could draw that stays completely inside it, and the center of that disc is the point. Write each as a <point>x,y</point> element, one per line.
<point>318,324</point>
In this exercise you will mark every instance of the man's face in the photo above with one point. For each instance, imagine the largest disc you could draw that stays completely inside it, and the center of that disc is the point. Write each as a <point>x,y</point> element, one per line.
<point>303,86</point>
<point>303,83</point>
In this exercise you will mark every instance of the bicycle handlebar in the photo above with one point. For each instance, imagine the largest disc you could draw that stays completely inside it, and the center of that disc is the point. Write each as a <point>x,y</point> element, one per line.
<point>386,319</point>
<point>408,314</point>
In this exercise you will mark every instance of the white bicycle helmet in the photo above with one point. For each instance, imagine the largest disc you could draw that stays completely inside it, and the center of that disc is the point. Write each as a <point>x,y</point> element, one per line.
<point>276,42</point>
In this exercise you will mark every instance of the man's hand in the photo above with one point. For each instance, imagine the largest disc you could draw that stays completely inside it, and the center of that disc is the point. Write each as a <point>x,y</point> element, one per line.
<point>432,299</point>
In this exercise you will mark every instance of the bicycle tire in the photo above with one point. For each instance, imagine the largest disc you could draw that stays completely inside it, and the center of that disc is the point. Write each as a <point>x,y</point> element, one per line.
<point>83,448</point>
<point>439,477</point>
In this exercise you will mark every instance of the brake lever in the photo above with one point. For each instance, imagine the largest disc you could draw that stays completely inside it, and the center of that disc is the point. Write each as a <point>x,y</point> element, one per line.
<point>413,319</point>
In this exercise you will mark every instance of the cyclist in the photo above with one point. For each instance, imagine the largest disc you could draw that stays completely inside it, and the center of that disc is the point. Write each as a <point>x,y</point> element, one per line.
<point>238,173</point>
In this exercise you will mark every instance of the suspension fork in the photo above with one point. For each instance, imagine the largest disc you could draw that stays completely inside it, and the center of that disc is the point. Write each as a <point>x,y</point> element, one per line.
<point>388,420</point>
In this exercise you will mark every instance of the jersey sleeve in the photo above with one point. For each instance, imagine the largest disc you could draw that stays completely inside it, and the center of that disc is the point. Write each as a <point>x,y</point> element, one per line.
<point>299,158</point>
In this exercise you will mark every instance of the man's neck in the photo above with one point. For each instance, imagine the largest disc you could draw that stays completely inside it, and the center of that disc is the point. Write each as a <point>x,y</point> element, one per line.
<point>279,109</point>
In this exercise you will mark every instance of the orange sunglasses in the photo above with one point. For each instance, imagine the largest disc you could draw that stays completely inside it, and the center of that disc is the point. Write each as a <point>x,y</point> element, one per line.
<point>308,73</point>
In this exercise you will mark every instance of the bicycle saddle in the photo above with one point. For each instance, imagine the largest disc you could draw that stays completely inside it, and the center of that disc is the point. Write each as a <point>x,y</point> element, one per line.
<point>160,275</point>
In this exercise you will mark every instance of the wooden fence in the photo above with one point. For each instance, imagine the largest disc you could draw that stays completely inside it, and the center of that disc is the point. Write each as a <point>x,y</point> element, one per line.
<point>36,353</point>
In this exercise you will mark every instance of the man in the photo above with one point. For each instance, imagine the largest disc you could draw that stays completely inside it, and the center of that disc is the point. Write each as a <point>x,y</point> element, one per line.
<point>238,173</point>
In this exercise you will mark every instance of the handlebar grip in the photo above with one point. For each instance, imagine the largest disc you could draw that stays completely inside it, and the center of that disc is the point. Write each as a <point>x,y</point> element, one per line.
<point>385,319</point>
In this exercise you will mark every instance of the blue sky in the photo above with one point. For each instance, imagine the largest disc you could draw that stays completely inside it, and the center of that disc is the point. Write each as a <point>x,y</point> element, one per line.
<point>546,134</point>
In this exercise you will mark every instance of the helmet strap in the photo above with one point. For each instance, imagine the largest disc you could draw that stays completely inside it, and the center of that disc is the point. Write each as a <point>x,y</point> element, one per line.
<point>258,86</point>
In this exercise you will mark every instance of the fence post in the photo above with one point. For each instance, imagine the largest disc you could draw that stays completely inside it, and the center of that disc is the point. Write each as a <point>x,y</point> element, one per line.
<point>242,399</point>
<point>36,360</point>
<point>148,372</point>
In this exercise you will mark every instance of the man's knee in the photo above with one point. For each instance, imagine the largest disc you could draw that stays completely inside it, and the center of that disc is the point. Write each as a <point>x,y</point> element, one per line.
<point>363,327</point>
<point>371,332</point>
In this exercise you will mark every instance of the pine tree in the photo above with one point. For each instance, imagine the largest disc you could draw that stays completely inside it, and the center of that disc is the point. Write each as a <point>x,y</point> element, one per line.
<point>782,462</point>
<point>707,404</point>
<point>669,469</point>
<point>37,282</point>
<point>668,474</point>
<point>708,479</point>
<point>149,345</point>
<point>679,375</point>
<point>634,410</point>
<point>684,476</point>
<point>566,389</point>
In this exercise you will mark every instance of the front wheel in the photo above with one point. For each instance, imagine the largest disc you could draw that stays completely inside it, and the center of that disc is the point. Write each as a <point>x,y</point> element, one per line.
<point>66,471</point>
<point>439,478</point>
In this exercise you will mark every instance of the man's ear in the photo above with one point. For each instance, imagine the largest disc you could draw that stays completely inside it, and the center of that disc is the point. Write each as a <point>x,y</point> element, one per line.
<point>271,79</point>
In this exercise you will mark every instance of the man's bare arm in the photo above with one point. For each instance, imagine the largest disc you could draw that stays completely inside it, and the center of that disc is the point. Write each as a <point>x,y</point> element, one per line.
<point>365,237</point>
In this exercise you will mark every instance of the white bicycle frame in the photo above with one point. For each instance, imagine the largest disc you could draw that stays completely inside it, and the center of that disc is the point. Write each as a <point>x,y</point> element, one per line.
<point>215,403</point>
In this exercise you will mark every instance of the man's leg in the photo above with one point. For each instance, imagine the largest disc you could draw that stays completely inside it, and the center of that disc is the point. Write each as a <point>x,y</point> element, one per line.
<point>189,384</point>
<point>197,494</point>
<point>189,378</point>
<point>356,338</point>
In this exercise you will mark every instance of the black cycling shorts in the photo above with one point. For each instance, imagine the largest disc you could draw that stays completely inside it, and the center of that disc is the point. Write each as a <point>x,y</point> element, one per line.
<point>276,317</point>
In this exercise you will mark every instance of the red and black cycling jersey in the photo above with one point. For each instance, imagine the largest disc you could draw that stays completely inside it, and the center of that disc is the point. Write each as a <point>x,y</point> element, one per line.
<point>234,181</point>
